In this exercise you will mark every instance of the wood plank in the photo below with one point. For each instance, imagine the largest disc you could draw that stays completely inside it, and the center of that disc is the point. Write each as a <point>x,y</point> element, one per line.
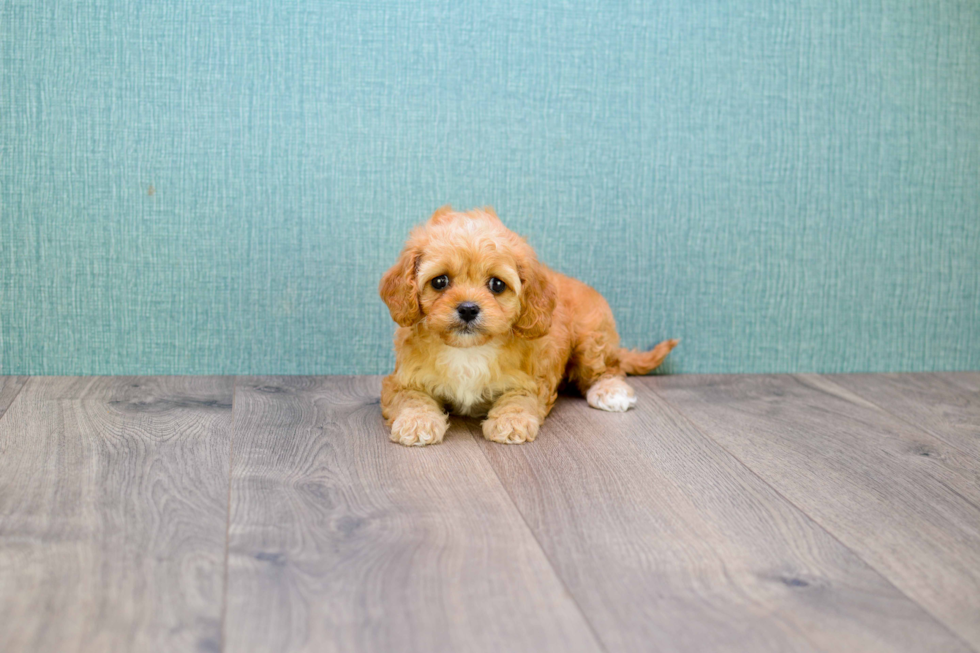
<point>903,500</point>
<point>9,389</point>
<point>113,511</point>
<point>343,541</point>
<point>943,404</point>
<point>668,543</point>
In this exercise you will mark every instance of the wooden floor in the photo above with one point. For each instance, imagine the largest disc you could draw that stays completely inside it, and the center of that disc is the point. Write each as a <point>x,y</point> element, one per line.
<point>724,513</point>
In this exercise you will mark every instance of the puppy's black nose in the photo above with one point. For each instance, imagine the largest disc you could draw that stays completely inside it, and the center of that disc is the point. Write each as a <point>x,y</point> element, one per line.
<point>468,311</point>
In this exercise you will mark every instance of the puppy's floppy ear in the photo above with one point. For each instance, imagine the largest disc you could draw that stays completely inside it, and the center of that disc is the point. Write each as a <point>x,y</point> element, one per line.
<point>538,297</point>
<point>399,289</point>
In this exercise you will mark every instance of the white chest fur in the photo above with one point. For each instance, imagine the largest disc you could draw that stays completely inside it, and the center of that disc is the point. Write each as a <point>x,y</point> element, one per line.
<point>468,378</point>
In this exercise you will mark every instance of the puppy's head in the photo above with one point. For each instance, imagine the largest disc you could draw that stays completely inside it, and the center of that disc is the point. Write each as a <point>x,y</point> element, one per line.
<point>470,280</point>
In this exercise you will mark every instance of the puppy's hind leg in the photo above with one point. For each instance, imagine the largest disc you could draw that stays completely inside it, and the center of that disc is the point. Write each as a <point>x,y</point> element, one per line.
<point>611,393</point>
<point>595,369</point>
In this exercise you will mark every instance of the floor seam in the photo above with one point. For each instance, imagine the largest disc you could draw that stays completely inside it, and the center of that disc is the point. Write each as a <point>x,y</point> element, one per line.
<point>544,553</point>
<point>231,460</point>
<point>955,380</point>
<point>917,427</point>
<point>813,519</point>
<point>16,396</point>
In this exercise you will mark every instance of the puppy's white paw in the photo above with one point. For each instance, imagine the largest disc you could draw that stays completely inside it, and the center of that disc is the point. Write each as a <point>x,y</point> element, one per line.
<point>612,394</point>
<point>511,427</point>
<point>417,427</point>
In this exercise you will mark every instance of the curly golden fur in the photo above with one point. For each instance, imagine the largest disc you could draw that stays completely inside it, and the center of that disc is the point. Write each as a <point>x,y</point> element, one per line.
<point>533,329</point>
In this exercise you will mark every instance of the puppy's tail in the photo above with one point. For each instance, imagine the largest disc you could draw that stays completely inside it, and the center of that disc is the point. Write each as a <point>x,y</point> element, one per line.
<point>640,362</point>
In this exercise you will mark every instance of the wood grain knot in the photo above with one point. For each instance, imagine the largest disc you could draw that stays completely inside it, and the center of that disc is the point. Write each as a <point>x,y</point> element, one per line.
<point>275,559</point>
<point>168,404</point>
<point>270,389</point>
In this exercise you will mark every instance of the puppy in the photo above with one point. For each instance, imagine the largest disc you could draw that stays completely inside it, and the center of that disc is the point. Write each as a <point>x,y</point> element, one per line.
<point>486,330</point>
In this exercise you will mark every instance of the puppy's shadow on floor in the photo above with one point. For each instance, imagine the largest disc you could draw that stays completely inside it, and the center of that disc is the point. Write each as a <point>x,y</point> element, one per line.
<point>460,426</point>
<point>463,427</point>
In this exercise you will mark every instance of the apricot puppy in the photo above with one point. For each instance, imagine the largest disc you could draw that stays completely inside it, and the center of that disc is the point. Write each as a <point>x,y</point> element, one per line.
<point>486,330</point>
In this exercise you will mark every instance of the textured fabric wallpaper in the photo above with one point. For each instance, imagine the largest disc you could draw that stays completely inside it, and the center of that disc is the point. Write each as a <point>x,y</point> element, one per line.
<point>216,186</point>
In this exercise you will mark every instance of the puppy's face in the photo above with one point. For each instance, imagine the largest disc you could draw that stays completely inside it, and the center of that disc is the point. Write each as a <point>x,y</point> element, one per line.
<point>469,290</point>
<point>470,280</point>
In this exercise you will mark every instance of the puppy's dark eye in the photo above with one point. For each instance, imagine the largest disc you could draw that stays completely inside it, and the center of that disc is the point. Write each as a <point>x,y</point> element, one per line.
<point>497,286</point>
<point>440,282</point>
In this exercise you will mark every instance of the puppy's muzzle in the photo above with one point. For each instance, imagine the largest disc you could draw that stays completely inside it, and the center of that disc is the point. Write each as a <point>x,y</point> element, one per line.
<point>468,311</point>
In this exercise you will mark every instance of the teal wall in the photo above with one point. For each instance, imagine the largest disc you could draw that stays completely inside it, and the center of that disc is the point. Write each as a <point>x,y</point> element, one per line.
<point>784,186</point>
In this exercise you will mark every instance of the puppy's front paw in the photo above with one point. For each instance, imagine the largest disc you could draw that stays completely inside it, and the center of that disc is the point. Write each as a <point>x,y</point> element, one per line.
<point>511,427</point>
<point>612,394</point>
<point>418,427</point>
